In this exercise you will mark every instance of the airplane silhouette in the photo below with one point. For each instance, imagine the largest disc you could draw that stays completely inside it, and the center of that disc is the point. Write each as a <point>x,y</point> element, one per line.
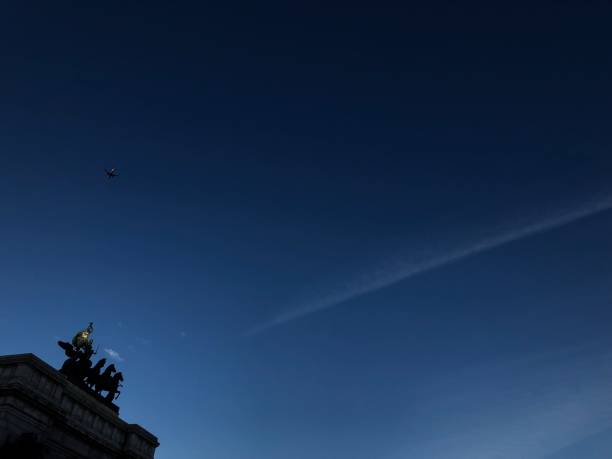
<point>112,173</point>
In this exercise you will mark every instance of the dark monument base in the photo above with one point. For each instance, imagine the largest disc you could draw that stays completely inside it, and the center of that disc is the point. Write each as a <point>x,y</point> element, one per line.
<point>43,415</point>
<point>91,393</point>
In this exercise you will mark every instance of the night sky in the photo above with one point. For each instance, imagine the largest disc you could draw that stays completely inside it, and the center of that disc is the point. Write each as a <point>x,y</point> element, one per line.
<point>339,231</point>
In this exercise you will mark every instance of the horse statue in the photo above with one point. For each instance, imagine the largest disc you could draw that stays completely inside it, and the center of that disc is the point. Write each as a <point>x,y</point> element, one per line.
<point>78,368</point>
<point>104,380</point>
<point>109,382</point>
<point>94,373</point>
<point>113,391</point>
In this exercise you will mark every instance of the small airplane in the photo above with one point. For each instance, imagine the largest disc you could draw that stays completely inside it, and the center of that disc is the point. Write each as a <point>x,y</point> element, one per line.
<point>112,173</point>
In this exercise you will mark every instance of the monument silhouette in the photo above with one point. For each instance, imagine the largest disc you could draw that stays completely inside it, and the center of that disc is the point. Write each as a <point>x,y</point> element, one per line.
<point>68,413</point>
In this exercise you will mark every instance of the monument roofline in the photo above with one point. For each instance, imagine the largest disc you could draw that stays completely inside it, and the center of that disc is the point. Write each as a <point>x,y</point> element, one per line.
<point>28,377</point>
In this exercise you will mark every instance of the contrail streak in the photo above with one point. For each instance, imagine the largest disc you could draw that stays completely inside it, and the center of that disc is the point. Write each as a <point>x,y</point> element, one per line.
<point>413,269</point>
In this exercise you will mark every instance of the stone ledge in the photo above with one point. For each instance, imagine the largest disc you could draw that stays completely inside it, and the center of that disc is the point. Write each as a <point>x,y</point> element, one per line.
<point>53,407</point>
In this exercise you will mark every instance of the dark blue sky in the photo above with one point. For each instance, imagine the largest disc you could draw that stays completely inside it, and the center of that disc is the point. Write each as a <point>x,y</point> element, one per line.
<point>272,156</point>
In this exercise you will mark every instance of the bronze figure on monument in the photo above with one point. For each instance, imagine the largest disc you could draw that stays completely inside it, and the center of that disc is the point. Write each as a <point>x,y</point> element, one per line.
<point>79,369</point>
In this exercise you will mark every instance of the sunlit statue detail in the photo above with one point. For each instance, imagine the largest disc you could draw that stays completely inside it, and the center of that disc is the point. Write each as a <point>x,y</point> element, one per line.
<point>79,370</point>
<point>82,340</point>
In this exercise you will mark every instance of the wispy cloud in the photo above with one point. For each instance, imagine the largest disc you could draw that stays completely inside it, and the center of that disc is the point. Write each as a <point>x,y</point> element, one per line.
<point>411,268</point>
<point>114,355</point>
<point>183,334</point>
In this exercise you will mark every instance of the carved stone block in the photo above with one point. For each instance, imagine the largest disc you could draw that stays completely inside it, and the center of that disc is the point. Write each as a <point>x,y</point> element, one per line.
<point>41,408</point>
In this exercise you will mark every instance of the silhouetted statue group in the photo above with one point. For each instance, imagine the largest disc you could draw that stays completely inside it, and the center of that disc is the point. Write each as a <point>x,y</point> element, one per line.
<point>79,370</point>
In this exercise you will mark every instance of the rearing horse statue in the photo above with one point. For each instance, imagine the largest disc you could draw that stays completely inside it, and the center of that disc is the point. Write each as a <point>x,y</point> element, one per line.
<point>109,383</point>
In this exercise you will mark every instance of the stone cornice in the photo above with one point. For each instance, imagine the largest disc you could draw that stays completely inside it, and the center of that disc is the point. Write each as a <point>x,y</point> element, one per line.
<point>27,378</point>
